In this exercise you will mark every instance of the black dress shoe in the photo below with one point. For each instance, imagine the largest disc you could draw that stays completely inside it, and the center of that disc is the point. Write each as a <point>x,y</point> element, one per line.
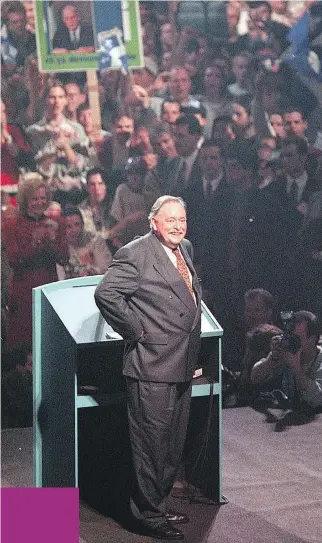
<point>165,531</point>
<point>175,516</point>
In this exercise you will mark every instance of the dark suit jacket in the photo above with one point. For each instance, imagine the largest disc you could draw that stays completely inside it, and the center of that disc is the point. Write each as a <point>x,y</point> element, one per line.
<point>142,291</point>
<point>25,46</point>
<point>209,225</point>
<point>62,38</point>
<point>278,189</point>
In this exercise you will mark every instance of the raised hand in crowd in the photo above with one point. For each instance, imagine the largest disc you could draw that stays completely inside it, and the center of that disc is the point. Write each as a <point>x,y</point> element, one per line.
<point>151,160</point>
<point>138,94</point>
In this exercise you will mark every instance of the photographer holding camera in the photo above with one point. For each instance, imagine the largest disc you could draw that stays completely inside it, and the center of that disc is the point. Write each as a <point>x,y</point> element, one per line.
<point>295,360</point>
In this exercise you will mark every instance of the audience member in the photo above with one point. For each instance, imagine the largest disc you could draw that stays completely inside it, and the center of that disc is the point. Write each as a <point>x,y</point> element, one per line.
<point>259,309</point>
<point>209,196</point>
<point>75,97</point>
<point>241,116</point>
<point>168,175</point>
<point>129,207</point>
<point>233,17</point>
<point>30,16</point>
<point>19,42</point>
<point>151,42</point>
<point>268,236</point>
<point>300,180</point>
<point>199,112</point>
<point>241,70</point>
<point>258,345</point>
<point>277,124</point>
<point>167,37</point>
<point>115,150</point>
<point>189,139</point>
<point>179,87</point>
<point>170,110</point>
<point>139,143</point>
<point>33,244</point>
<point>54,209</point>
<point>96,208</point>
<point>97,138</point>
<point>281,13</point>
<point>137,102</point>
<point>296,124</point>
<point>267,100</point>
<point>263,33</point>
<point>223,131</point>
<point>214,98</point>
<point>296,362</point>
<point>191,62</point>
<point>88,253</point>
<point>61,147</point>
<point>15,154</point>
<point>111,85</point>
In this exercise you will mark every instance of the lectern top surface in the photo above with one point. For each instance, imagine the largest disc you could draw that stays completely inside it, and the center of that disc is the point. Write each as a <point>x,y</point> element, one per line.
<point>76,308</point>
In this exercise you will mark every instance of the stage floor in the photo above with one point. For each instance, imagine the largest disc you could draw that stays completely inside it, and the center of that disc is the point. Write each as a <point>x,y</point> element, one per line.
<point>272,478</point>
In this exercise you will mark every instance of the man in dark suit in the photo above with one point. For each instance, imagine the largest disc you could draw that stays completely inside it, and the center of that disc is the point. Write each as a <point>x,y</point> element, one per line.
<point>151,296</point>
<point>189,139</point>
<point>209,206</point>
<point>72,36</point>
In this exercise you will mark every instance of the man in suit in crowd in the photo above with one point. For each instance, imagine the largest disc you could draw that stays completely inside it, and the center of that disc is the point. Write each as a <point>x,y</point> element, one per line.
<point>209,204</point>
<point>188,139</point>
<point>298,181</point>
<point>151,296</point>
<point>72,36</point>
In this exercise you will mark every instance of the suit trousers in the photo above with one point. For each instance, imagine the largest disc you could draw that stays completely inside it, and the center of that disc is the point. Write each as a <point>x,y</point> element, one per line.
<point>158,415</point>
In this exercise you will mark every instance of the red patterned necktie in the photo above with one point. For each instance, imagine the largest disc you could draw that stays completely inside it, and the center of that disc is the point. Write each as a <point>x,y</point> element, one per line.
<point>183,270</point>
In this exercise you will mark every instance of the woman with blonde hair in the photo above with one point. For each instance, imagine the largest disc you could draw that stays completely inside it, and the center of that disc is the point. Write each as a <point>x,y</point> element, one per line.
<point>34,244</point>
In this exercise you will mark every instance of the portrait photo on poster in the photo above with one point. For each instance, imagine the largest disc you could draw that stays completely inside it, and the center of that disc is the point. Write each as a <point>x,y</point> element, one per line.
<point>71,27</point>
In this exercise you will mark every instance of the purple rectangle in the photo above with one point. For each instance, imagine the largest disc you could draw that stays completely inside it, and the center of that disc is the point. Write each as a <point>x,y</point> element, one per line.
<point>40,515</point>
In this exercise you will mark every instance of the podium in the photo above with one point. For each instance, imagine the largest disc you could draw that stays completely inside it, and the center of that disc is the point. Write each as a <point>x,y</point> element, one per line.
<point>77,366</point>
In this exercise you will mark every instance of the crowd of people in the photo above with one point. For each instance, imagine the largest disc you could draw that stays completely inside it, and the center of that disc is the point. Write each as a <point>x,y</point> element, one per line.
<point>227,124</point>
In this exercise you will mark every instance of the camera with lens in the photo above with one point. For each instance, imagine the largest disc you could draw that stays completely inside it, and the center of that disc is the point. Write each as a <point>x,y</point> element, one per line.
<point>289,341</point>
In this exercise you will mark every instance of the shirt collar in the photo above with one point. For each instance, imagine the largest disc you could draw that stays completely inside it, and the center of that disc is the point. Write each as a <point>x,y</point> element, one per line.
<point>301,180</point>
<point>213,182</point>
<point>301,183</point>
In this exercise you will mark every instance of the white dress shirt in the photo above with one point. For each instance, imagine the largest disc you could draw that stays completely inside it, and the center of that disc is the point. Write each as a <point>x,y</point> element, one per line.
<point>213,182</point>
<point>300,182</point>
<point>173,259</point>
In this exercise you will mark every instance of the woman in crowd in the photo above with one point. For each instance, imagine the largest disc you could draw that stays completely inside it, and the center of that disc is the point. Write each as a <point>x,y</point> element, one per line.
<point>215,97</point>
<point>34,244</point>
<point>15,152</point>
<point>96,208</point>
<point>88,253</point>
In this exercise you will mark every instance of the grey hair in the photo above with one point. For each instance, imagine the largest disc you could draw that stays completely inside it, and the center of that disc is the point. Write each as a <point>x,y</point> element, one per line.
<point>161,201</point>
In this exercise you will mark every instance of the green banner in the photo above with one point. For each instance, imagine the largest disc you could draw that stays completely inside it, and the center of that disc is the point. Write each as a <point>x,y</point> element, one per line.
<point>88,35</point>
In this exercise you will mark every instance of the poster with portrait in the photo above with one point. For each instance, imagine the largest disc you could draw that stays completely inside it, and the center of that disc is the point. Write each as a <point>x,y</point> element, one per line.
<point>83,35</point>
